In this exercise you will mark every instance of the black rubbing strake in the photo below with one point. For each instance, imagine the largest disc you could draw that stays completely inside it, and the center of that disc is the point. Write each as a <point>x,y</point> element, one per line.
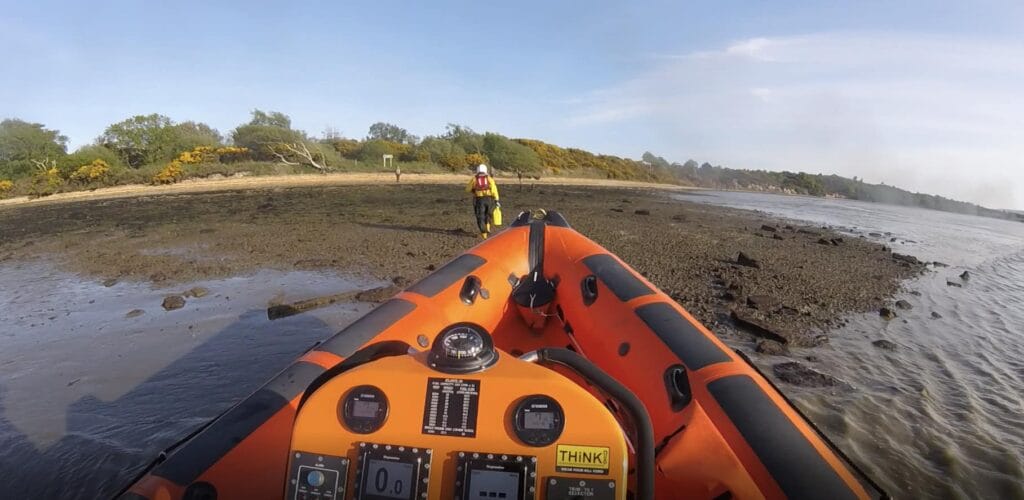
<point>866,482</point>
<point>345,342</point>
<point>556,219</point>
<point>536,247</point>
<point>790,458</point>
<point>449,274</point>
<point>522,219</point>
<point>692,347</point>
<point>195,457</point>
<point>616,277</point>
<point>370,353</point>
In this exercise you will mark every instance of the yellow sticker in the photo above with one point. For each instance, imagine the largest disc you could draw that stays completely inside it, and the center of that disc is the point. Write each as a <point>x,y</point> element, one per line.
<point>582,459</point>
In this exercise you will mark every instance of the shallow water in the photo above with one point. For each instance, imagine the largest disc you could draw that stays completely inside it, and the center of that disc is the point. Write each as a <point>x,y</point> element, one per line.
<point>88,396</point>
<point>943,415</point>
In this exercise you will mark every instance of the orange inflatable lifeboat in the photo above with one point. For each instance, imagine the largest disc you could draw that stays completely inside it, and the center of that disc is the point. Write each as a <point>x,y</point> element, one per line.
<point>536,365</point>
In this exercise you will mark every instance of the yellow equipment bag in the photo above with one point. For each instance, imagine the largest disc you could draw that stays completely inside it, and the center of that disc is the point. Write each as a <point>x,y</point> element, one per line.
<point>496,215</point>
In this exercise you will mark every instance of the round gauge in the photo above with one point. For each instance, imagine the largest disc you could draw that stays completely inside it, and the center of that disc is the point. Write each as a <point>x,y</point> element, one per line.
<point>363,409</point>
<point>462,348</point>
<point>462,342</point>
<point>538,420</point>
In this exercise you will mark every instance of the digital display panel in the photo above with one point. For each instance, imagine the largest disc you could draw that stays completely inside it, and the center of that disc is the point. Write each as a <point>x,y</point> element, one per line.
<point>493,484</point>
<point>539,420</point>
<point>365,409</point>
<point>385,479</point>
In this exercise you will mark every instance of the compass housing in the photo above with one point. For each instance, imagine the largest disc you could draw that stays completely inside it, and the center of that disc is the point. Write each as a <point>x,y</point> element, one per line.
<point>462,348</point>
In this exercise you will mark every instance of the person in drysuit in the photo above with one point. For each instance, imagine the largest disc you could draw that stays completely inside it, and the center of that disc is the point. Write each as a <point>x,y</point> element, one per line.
<point>485,199</point>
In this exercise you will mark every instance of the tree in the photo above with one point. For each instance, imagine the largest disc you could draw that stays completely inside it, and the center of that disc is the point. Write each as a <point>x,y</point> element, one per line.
<point>270,119</point>
<point>189,135</point>
<point>140,140</point>
<point>303,153</point>
<point>506,154</point>
<point>373,149</point>
<point>382,131</point>
<point>689,169</point>
<point>22,142</point>
<point>263,132</point>
<point>269,137</point>
<point>655,161</point>
<point>147,139</point>
<point>442,152</point>
<point>464,137</point>
<point>347,148</point>
<point>330,134</point>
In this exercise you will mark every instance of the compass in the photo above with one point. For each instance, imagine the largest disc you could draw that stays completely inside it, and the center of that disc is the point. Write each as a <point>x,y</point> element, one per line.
<point>462,348</point>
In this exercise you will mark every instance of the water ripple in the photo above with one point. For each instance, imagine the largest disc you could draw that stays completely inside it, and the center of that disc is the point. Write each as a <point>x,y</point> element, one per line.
<point>943,415</point>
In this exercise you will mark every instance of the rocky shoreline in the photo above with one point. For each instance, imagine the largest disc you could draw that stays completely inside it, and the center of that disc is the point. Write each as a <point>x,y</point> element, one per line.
<point>770,284</point>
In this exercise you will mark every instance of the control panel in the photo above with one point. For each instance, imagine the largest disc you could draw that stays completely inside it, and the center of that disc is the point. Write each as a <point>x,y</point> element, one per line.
<point>461,420</point>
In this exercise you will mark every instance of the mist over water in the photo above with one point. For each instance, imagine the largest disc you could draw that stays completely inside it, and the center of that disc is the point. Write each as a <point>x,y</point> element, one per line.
<point>943,415</point>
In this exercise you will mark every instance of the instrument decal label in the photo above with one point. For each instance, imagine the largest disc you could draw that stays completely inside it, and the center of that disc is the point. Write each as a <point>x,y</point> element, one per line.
<point>451,407</point>
<point>582,459</point>
<point>584,489</point>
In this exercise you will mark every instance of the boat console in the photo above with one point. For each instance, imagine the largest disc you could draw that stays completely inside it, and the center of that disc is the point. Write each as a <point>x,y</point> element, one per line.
<point>461,420</point>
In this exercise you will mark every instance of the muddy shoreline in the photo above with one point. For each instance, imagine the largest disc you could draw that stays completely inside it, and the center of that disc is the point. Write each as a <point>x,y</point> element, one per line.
<point>798,283</point>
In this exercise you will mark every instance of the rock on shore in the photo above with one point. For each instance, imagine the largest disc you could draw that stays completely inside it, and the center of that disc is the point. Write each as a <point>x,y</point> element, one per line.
<point>772,348</point>
<point>172,302</point>
<point>884,344</point>
<point>793,372</point>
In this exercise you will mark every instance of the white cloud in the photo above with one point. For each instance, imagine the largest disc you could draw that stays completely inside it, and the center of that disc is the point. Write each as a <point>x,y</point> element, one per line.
<point>928,113</point>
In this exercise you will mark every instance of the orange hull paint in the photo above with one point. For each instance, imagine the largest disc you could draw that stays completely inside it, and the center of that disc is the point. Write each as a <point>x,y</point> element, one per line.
<point>735,434</point>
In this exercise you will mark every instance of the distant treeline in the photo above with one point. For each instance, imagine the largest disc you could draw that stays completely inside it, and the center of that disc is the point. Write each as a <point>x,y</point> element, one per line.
<point>717,177</point>
<point>153,148</point>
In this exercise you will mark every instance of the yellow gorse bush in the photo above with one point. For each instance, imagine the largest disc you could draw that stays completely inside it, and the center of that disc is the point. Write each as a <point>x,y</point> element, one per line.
<point>170,174</point>
<point>5,186</point>
<point>200,154</point>
<point>566,160</point>
<point>50,176</point>
<point>173,172</point>
<point>47,180</point>
<point>232,153</point>
<point>190,158</point>
<point>474,159</point>
<point>207,154</point>
<point>94,171</point>
<point>231,150</point>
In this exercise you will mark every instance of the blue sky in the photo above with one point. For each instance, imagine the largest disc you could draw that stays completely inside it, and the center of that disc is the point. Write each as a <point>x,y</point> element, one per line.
<point>923,95</point>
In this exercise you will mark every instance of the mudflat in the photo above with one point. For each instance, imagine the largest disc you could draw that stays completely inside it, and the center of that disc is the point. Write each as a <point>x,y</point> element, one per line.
<point>790,284</point>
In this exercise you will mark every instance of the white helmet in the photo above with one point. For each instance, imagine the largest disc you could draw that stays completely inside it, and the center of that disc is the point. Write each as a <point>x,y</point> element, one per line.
<point>481,169</point>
